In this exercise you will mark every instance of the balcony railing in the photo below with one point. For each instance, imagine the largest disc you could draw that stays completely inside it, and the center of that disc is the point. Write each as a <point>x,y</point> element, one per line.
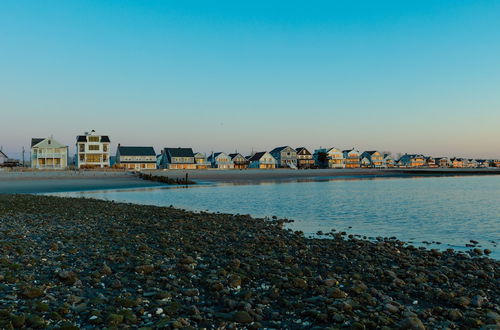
<point>49,155</point>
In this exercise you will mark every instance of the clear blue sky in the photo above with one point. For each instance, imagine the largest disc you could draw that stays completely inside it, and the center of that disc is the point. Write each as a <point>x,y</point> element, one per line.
<point>406,76</point>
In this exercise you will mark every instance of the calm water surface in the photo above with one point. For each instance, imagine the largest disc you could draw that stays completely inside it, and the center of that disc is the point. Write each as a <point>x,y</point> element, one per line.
<point>450,210</point>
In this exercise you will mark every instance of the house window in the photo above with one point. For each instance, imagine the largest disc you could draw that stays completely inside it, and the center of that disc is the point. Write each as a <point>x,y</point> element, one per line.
<point>105,148</point>
<point>94,147</point>
<point>82,147</point>
<point>93,139</point>
<point>82,158</point>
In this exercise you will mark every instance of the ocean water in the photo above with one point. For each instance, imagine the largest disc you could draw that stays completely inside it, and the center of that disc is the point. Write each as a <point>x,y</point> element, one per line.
<point>449,210</point>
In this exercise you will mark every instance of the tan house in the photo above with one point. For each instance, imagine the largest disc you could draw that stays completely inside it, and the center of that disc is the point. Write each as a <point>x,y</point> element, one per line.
<point>262,160</point>
<point>136,158</point>
<point>352,158</point>
<point>47,153</point>
<point>411,160</point>
<point>201,161</point>
<point>373,159</point>
<point>177,158</point>
<point>239,161</point>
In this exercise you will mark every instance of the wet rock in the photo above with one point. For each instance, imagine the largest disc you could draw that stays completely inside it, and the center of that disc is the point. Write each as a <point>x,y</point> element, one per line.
<point>32,292</point>
<point>242,317</point>
<point>67,277</point>
<point>412,323</point>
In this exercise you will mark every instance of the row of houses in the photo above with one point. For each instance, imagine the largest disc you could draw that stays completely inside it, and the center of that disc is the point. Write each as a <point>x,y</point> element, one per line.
<point>93,151</point>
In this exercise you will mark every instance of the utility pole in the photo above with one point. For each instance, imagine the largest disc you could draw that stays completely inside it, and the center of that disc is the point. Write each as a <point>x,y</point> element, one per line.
<point>23,156</point>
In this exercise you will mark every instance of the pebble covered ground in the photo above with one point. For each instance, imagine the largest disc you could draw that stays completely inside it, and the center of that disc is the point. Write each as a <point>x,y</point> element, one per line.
<point>81,263</point>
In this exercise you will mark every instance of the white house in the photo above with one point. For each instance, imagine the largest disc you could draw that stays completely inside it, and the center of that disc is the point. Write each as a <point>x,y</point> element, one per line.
<point>262,160</point>
<point>47,153</point>
<point>92,150</point>
<point>335,158</point>
<point>221,160</point>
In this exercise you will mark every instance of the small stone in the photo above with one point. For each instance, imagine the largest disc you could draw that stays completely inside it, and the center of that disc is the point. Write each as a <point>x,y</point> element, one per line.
<point>114,319</point>
<point>106,270</point>
<point>18,320</point>
<point>487,251</point>
<point>242,317</point>
<point>412,323</point>
<point>300,283</point>
<point>32,292</point>
<point>477,301</point>
<point>391,308</point>
<point>68,277</point>
<point>337,293</point>
<point>463,301</point>
<point>145,269</point>
<point>455,315</point>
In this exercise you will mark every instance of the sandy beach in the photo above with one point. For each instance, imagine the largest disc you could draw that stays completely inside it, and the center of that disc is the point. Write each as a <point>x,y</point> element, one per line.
<point>60,181</point>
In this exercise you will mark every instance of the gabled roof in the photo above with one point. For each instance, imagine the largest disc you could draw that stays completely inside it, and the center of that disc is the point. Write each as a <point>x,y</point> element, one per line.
<point>279,149</point>
<point>3,154</point>
<point>35,141</point>
<point>257,156</point>
<point>46,143</point>
<point>83,138</point>
<point>371,152</point>
<point>300,149</point>
<point>136,151</point>
<point>234,155</point>
<point>179,152</point>
<point>199,155</point>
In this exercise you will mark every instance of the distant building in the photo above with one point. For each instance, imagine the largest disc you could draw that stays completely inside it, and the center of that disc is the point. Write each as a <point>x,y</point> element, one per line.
<point>92,150</point>
<point>47,153</point>
<point>472,163</point>
<point>373,158</point>
<point>430,162</point>
<point>221,160</point>
<point>411,160</point>
<point>304,158</point>
<point>177,158</point>
<point>352,158</point>
<point>3,158</point>
<point>285,156</point>
<point>201,161</point>
<point>335,158</point>
<point>483,163</point>
<point>389,161</point>
<point>135,158</point>
<point>458,162</point>
<point>239,161</point>
<point>442,161</point>
<point>262,160</point>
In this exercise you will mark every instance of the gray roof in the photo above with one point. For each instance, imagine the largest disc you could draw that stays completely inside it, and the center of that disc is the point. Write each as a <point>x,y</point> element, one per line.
<point>83,138</point>
<point>257,156</point>
<point>279,149</point>
<point>179,152</point>
<point>136,151</point>
<point>35,141</point>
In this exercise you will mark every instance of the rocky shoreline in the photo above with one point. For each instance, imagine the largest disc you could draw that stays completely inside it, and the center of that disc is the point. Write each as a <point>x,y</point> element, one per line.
<point>81,263</point>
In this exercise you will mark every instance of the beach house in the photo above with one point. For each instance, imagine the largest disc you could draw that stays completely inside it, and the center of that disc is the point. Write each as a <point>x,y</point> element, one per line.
<point>373,159</point>
<point>411,160</point>
<point>239,161</point>
<point>430,162</point>
<point>442,161</point>
<point>472,163</point>
<point>177,158</point>
<point>304,158</point>
<point>285,156</point>
<point>389,161</point>
<point>220,160</point>
<point>335,158</point>
<point>483,163</point>
<point>135,158</point>
<point>47,153</point>
<point>352,158</point>
<point>201,161</point>
<point>3,158</point>
<point>457,162</point>
<point>92,150</point>
<point>262,160</point>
